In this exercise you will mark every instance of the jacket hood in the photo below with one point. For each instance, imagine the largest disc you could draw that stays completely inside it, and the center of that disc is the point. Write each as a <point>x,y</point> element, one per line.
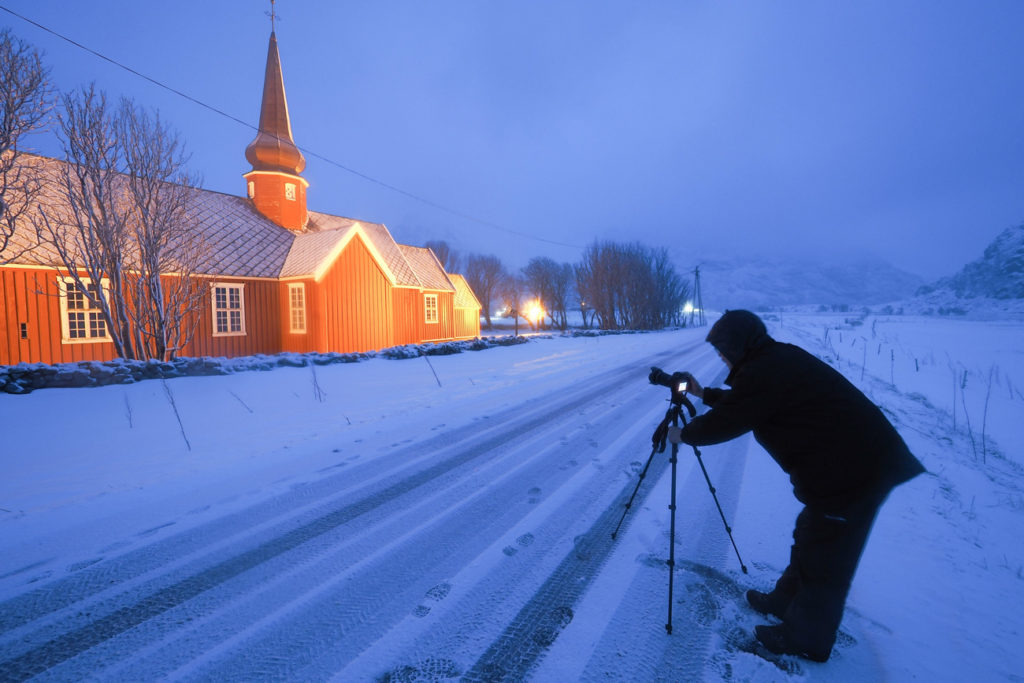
<point>737,334</point>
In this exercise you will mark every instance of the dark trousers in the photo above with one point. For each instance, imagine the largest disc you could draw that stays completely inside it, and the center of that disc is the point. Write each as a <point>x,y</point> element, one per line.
<point>827,545</point>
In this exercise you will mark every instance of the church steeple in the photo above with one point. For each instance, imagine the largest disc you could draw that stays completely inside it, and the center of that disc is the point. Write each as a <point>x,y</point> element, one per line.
<point>274,183</point>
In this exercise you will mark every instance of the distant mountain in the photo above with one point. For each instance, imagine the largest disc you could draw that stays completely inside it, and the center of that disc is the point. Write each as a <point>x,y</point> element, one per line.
<point>998,274</point>
<point>770,283</point>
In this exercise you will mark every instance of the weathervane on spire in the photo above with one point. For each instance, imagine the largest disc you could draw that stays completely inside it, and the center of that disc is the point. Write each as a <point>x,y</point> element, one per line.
<point>273,16</point>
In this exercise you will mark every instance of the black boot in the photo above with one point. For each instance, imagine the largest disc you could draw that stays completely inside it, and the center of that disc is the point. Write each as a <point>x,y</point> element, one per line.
<point>774,603</point>
<point>780,640</point>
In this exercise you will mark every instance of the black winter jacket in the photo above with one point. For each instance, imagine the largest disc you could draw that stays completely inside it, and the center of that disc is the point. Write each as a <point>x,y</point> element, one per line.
<point>835,444</point>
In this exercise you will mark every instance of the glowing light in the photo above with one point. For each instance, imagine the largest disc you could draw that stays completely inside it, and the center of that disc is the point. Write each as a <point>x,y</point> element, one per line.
<point>688,308</point>
<point>533,311</point>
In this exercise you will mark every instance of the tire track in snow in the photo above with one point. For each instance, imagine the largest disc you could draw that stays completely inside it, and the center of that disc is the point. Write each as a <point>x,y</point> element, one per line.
<point>63,647</point>
<point>366,605</point>
<point>539,622</point>
<point>282,606</point>
<point>533,631</point>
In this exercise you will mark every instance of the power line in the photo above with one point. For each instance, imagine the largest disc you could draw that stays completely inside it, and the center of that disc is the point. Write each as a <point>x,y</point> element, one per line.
<point>309,152</point>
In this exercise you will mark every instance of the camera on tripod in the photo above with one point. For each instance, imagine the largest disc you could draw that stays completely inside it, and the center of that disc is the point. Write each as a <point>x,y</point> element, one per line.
<point>676,382</point>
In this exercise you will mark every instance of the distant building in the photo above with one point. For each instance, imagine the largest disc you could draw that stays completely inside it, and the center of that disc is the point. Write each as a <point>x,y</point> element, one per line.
<point>281,277</point>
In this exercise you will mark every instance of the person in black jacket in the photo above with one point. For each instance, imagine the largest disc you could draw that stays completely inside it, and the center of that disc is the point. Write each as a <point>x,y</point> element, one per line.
<point>843,458</point>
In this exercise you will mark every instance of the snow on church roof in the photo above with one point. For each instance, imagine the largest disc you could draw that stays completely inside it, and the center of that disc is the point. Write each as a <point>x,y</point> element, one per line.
<point>241,242</point>
<point>427,268</point>
<point>464,296</point>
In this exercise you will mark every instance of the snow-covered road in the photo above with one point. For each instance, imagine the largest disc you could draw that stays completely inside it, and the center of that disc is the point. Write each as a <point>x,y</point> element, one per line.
<point>450,517</point>
<point>462,551</point>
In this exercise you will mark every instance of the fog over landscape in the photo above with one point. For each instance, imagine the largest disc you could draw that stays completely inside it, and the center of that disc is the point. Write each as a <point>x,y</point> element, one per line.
<point>813,133</point>
<point>448,509</point>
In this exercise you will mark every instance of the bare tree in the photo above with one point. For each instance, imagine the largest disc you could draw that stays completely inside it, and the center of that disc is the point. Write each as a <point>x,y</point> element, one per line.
<point>24,109</point>
<point>166,296</point>
<point>595,282</point>
<point>449,258</point>
<point>552,282</point>
<point>93,235</point>
<point>516,292</point>
<point>672,290</point>
<point>630,285</point>
<point>128,237</point>
<point>485,275</point>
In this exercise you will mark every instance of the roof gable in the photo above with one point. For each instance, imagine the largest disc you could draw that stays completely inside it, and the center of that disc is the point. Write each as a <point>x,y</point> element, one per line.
<point>427,268</point>
<point>464,296</point>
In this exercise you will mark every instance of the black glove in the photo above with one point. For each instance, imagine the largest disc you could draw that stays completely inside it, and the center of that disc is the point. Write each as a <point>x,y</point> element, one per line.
<point>660,436</point>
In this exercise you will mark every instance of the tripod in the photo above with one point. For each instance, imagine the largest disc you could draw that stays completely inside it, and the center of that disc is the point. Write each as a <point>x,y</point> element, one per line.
<point>673,417</point>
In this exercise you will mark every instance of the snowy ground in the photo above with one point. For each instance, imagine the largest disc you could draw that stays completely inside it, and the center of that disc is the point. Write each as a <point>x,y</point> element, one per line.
<point>361,522</point>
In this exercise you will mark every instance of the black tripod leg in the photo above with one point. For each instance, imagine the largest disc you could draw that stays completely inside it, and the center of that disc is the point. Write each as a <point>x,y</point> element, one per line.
<point>672,538</point>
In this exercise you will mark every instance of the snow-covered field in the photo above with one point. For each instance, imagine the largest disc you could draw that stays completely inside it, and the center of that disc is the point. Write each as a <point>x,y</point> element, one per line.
<point>374,521</point>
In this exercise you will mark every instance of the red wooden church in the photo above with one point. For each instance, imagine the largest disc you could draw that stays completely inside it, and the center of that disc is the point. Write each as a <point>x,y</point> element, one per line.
<point>281,277</point>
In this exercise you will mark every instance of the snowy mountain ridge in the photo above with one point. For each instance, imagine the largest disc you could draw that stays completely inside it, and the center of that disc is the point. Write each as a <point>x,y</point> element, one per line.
<point>998,274</point>
<point>769,283</point>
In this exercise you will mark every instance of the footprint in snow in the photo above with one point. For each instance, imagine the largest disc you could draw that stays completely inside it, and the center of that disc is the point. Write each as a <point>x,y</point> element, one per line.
<point>534,494</point>
<point>431,669</point>
<point>435,594</point>
<point>551,625</point>
<point>582,547</point>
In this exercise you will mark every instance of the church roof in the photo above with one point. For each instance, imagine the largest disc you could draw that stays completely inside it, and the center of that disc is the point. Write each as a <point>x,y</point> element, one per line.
<point>464,296</point>
<point>241,242</point>
<point>427,268</point>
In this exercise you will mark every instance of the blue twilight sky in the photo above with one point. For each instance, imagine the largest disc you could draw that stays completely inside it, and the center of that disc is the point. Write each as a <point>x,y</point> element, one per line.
<point>817,127</point>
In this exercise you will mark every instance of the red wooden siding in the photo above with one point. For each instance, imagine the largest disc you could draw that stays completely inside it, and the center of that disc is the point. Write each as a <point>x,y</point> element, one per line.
<point>444,328</point>
<point>262,311</point>
<point>408,316</point>
<point>31,296</point>
<point>298,342</point>
<point>354,307</point>
<point>411,326</point>
<point>467,323</point>
<point>354,302</point>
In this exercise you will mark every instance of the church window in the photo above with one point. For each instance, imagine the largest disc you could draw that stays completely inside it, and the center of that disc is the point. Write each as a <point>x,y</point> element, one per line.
<point>228,310</point>
<point>289,191</point>
<point>81,318</point>
<point>297,307</point>
<point>430,302</point>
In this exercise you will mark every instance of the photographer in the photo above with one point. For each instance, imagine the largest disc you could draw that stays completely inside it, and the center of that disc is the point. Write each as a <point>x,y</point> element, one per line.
<point>841,453</point>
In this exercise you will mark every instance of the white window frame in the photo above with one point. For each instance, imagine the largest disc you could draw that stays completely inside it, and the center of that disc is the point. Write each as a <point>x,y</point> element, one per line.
<point>228,309</point>
<point>430,309</point>
<point>297,307</point>
<point>90,315</point>
<point>290,191</point>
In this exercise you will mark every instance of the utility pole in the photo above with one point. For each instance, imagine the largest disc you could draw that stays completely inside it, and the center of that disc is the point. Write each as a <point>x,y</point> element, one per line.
<point>697,314</point>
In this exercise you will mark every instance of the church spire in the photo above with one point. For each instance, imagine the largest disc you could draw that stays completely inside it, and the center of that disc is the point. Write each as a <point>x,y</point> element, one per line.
<point>274,149</point>
<point>274,183</point>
